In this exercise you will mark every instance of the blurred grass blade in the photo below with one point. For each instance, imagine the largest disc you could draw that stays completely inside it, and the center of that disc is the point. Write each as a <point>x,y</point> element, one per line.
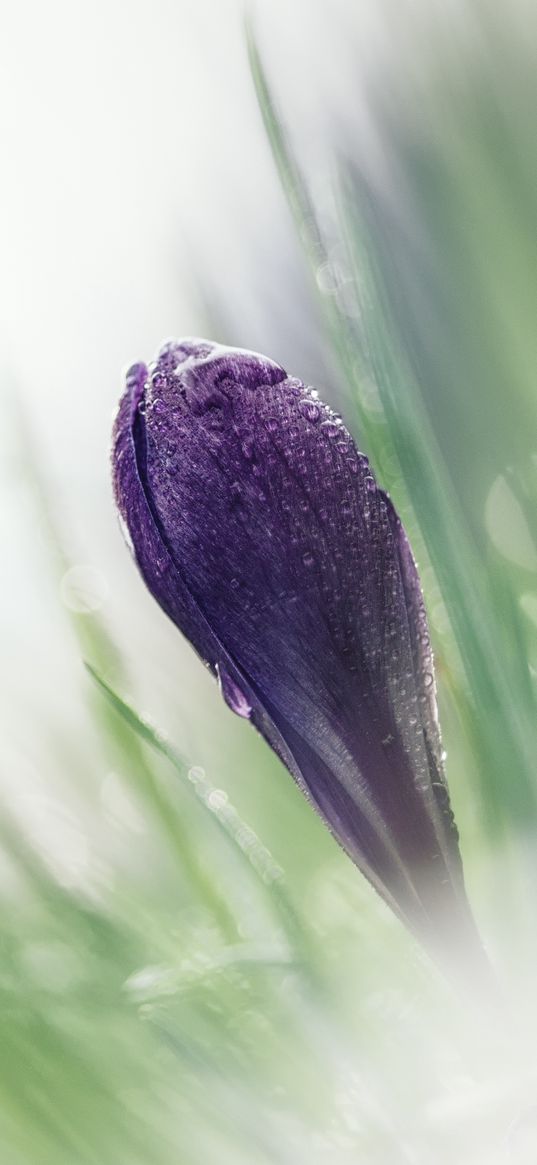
<point>505,723</point>
<point>504,709</point>
<point>246,846</point>
<point>94,639</point>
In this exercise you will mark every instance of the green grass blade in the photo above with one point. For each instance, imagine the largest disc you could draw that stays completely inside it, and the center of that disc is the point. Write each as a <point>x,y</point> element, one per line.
<point>507,741</point>
<point>250,852</point>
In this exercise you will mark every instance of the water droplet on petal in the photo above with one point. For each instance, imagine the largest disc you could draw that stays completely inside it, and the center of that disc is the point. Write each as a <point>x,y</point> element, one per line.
<point>310,410</point>
<point>308,558</point>
<point>331,428</point>
<point>126,534</point>
<point>234,698</point>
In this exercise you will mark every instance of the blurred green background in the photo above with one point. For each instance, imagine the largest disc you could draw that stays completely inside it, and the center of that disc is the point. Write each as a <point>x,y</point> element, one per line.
<point>190,969</point>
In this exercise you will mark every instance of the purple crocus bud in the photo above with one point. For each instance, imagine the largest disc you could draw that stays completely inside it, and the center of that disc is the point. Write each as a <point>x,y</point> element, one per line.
<point>260,530</point>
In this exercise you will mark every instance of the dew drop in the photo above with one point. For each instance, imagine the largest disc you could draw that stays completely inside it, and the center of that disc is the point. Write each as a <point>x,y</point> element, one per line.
<point>329,276</point>
<point>310,410</point>
<point>84,589</point>
<point>308,558</point>
<point>217,799</point>
<point>196,774</point>
<point>126,533</point>
<point>330,428</point>
<point>236,493</point>
<point>233,696</point>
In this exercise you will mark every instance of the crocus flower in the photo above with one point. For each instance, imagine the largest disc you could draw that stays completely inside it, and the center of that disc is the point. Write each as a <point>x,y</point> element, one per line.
<point>259,528</point>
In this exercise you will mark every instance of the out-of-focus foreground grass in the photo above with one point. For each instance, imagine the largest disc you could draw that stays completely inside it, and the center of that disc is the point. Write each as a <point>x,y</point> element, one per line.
<point>190,971</point>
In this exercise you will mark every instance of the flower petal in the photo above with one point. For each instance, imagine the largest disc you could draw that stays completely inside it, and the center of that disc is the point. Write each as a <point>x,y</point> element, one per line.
<point>260,530</point>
